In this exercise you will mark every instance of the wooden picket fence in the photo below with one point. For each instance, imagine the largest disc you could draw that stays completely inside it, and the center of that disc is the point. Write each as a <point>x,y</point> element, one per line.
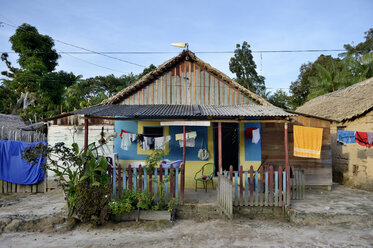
<point>225,194</point>
<point>19,135</point>
<point>297,183</point>
<point>168,181</point>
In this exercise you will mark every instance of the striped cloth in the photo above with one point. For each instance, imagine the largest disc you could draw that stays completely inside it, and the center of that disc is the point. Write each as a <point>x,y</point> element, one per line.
<point>307,141</point>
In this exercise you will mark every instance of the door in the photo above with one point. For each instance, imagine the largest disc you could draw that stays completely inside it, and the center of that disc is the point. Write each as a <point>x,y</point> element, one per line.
<point>229,145</point>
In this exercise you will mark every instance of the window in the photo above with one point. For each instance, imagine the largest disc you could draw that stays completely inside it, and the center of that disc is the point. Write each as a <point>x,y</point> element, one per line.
<point>153,132</point>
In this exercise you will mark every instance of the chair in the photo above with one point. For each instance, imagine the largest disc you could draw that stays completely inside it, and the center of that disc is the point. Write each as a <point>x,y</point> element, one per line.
<point>205,174</point>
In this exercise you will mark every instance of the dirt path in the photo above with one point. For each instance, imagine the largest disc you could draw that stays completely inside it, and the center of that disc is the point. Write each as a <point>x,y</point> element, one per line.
<point>188,233</point>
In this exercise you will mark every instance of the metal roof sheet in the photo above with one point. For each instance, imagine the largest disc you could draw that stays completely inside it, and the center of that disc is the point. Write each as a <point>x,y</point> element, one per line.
<point>166,110</point>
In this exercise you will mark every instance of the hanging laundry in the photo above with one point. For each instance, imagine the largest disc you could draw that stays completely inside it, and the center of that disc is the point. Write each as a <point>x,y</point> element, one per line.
<point>256,135</point>
<point>121,133</point>
<point>133,137</point>
<point>159,142</point>
<point>188,135</point>
<point>362,139</point>
<point>179,136</point>
<point>148,141</point>
<point>191,135</point>
<point>370,138</point>
<point>249,132</point>
<point>346,137</point>
<point>307,141</point>
<point>188,143</point>
<point>125,141</point>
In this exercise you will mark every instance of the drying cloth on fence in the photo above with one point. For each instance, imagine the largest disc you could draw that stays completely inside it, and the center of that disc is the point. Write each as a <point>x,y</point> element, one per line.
<point>362,139</point>
<point>346,137</point>
<point>256,136</point>
<point>307,141</point>
<point>16,170</point>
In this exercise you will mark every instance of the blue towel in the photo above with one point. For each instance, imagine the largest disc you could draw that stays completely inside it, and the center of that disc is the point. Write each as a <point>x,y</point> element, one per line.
<point>13,168</point>
<point>346,137</point>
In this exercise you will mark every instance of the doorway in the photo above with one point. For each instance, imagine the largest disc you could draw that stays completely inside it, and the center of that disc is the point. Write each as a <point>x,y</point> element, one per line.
<point>230,141</point>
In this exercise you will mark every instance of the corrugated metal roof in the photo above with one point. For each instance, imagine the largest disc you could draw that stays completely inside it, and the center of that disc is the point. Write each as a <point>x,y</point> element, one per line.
<point>165,110</point>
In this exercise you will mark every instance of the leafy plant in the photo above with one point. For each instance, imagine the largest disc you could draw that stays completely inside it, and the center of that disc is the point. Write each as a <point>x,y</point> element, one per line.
<point>153,159</point>
<point>82,176</point>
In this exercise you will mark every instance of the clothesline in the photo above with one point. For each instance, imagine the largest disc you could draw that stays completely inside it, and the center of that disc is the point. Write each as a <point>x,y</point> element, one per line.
<point>352,137</point>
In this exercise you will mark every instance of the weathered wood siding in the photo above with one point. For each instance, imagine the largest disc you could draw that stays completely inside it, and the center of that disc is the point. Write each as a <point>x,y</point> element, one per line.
<point>187,83</point>
<point>317,171</point>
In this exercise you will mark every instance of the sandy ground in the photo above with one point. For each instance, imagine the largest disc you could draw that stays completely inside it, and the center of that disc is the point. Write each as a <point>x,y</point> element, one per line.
<point>188,233</point>
<point>46,212</point>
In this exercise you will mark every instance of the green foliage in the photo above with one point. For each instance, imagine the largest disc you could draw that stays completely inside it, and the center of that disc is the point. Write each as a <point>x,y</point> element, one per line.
<point>280,99</point>
<point>82,176</point>
<point>92,202</point>
<point>243,65</point>
<point>153,159</point>
<point>328,74</point>
<point>140,200</point>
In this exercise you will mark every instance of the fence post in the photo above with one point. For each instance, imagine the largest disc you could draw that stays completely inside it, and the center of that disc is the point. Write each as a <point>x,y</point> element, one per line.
<point>251,186</point>
<point>280,186</point>
<point>140,178</point>
<point>270,185</point>
<point>182,183</point>
<point>172,174</point>
<point>261,187</point>
<point>231,173</point>
<point>241,185</point>
<point>129,177</point>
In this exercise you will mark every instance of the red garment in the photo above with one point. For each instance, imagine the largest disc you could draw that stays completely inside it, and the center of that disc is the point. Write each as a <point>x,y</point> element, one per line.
<point>121,133</point>
<point>249,132</point>
<point>362,139</point>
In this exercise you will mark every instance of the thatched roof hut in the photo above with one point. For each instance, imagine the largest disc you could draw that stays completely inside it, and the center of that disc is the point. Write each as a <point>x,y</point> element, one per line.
<point>12,122</point>
<point>345,104</point>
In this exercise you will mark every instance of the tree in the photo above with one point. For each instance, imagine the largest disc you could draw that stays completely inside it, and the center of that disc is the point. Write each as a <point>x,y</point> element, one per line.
<point>280,99</point>
<point>34,90</point>
<point>303,86</point>
<point>243,65</point>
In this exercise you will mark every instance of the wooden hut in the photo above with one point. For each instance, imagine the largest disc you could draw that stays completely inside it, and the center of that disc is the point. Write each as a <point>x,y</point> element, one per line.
<point>351,109</point>
<point>185,94</point>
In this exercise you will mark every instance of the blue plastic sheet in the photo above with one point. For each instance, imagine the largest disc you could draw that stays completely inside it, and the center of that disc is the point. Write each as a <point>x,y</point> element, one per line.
<point>16,170</point>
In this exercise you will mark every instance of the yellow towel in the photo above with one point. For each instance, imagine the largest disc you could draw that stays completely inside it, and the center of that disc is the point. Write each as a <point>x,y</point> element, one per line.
<point>307,141</point>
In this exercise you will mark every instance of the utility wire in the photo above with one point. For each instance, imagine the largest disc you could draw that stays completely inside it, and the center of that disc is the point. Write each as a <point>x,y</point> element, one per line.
<point>205,52</point>
<point>85,49</point>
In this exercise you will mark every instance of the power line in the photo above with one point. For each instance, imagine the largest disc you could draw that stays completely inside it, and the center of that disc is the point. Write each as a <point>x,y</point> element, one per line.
<point>85,49</point>
<point>200,52</point>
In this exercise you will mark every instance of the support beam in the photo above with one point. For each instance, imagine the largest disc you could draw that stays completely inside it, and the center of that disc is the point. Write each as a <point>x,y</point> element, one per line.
<point>287,167</point>
<point>182,181</point>
<point>220,148</point>
<point>85,135</point>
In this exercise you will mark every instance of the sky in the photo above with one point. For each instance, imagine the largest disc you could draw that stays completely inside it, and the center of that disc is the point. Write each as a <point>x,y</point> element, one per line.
<point>208,26</point>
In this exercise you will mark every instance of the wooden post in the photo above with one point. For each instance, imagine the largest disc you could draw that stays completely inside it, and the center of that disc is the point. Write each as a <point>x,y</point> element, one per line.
<point>251,186</point>
<point>140,177</point>
<point>241,185</point>
<point>287,168</point>
<point>129,177</point>
<point>182,186</point>
<point>231,173</point>
<point>261,187</point>
<point>280,185</point>
<point>85,135</point>
<point>220,147</point>
<point>150,183</point>
<point>120,176</point>
<point>172,174</point>
<point>270,175</point>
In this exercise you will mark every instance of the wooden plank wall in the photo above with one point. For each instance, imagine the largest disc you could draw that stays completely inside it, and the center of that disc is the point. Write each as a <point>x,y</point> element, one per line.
<point>187,83</point>
<point>318,172</point>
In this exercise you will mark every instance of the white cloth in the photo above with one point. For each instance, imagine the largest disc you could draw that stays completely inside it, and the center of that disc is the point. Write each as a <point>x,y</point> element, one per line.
<point>133,137</point>
<point>256,136</point>
<point>159,142</point>
<point>188,143</point>
<point>125,141</point>
<point>147,142</point>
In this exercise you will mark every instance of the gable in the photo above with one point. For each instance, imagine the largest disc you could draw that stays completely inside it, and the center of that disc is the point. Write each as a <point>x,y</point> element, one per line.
<point>188,83</point>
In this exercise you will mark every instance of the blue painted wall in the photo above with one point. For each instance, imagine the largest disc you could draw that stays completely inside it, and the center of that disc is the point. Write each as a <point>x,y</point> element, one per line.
<point>176,152</point>
<point>253,151</point>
